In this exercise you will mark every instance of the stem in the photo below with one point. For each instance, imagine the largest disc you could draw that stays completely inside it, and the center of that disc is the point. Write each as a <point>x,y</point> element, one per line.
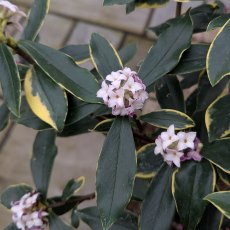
<point>13,44</point>
<point>138,123</point>
<point>178,9</point>
<point>77,200</point>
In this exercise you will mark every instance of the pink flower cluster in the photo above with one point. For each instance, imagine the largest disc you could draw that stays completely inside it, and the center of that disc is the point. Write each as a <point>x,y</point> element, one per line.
<point>124,92</point>
<point>28,213</point>
<point>9,14</point>
<point>177,147</point>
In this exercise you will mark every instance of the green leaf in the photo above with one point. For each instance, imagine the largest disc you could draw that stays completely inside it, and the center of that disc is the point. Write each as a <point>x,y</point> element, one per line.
<point>166,117</point>
<point>77,110</point>
<point>207,94</point>
<point>63,70</point>
<point>150,3</point>
<point>28,118</point>
<point>218,22</point>
<point>79,53</point>
<point>44,153</point>
<point>169,93</point>
<point>92,218</point>
<point>75,219</point>
<point>218,153</point>
<point>36,18</point>
<point>116,171</point>
<point>158,204</point>
<point>147,162</point>
<point>166,53</point>
<point>55,223</point>
<point>46,99</point>
<point>127,52</point>
<point>221,200</point>
<point>10,80</point>
<point>188,192</point>
<point>11,227</point>
<point>192,60</point>
<point>103,126</point>
<point>211,220</point>
<point>190,80</point>
<point>104,56</point>
<point>116,2</point>
<point>217,118</point>
<point>73,186</point>
<point>14,193</point>
<point>79,127</point>
<point>4,116</point>
<point>219,53</point>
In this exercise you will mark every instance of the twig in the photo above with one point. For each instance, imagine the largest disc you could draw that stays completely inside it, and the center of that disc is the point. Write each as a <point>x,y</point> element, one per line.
<point>178,9</point>
<point>78,200</point>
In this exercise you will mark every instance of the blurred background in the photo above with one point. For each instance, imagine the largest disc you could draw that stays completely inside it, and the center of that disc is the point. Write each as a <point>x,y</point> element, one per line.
<point>72,22</point>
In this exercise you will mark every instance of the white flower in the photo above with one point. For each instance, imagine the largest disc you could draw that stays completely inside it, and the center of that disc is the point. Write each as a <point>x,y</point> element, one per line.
<point>28,213</point>
<point>116,78</point>
<point>124,92</point>
<point>132,86</point>
<point>159,146</point>
<point>173,156</point>
<point>169,137</point>
<point>104,91</point>
<point>186,140</point>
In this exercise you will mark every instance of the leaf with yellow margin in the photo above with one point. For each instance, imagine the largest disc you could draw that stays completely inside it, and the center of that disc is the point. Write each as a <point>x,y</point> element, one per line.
<point>221,200</point>
<point>46,99</point>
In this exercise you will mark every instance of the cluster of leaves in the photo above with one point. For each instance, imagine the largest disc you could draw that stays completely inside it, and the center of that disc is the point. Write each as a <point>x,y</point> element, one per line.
<point>133,189</point>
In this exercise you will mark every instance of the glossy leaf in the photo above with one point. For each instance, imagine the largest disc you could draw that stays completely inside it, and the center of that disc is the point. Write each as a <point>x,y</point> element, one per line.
<point>221,200</point>
<point>188,192</point>
<point>207,94</point>
<point>166,117</point>
<point>73,186</point>
<point>11,227</point>
<point>10,80</point>
<point>211,219</point>
<point>78,81</point>
<point>92,218</point>
<point>4,116</point>
<point>166,53</point>
<point>116,2</point>
<point>116,171</point>
<point>79,53</point>
<point>169,94</point>
<point>192,60</point>
<point>55,223</point>
<point>150,3</point>
<point>127,52</point>
<point>189,80</point>
<point>14,193</point>
<point>28,118</point>
<point>158,204</point>
<point>104,56</point>
<point>44,153</point>
<point>218,53</point>
<point>77,110</point>
<point>218,128</point>
<point>218,22</point>
<point>75,219</point>
<point>36,18</point>
<point>83,126</point>
<point>45,98</point>
<point>103,126</point>
<point>147,162</point>
<point>218,153</point>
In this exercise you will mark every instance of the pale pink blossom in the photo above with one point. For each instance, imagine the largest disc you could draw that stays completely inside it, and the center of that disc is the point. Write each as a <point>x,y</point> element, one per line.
<point>159,146</point>
<point>173,156</point>
<point>28,213</point>
<point>124,92</point>
<point>186,140</point>
<point>169,136</point>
